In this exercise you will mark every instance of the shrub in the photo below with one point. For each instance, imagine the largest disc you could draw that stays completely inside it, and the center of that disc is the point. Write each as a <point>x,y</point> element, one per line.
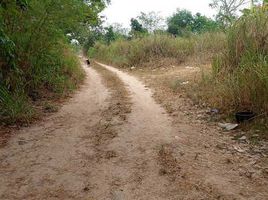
<point>240,75</point>
<point>35,58</point>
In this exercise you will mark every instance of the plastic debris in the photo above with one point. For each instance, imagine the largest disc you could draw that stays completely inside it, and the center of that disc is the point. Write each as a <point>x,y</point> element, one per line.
<point>228,126</point>
<point>185,83</point>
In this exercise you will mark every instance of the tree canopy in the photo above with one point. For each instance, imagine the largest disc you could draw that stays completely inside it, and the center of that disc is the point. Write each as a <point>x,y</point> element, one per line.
<point>152,21</point>
<point>183,22</point>
<point>136,28</point>
<point>228,9</point>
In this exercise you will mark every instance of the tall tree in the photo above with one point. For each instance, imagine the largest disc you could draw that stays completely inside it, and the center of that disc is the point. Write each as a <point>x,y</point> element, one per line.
<point>227,9</point>
<point>152,21</point>
<point>202,23</point>
<point>109,35</point>
<point>120,30</point>
<point>179,22</point>
<point>137,28</point>
<point>183,22</point>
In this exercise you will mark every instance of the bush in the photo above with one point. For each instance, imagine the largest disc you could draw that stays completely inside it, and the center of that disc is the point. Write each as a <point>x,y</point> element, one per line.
<point>35,59</point>
<point>53,74</point>
<point>240,74</point>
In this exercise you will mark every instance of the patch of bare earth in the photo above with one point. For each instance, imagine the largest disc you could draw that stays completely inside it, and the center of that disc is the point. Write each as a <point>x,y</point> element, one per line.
<point>204,161</point>
<point>111,117</point>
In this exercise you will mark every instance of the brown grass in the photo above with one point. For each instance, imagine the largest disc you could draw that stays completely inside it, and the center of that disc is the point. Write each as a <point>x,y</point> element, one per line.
<point>158,50</point>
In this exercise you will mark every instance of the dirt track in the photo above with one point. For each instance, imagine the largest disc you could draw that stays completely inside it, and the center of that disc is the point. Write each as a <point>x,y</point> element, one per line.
<point>97,148</point>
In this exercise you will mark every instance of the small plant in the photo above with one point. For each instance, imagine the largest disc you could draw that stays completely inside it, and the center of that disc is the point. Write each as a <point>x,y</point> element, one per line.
<point>50,107</point>
<point>14,107</point>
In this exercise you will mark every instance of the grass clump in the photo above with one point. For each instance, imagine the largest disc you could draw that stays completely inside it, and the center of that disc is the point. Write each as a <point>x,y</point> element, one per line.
<point>14,107</point>
<point>239,80</point>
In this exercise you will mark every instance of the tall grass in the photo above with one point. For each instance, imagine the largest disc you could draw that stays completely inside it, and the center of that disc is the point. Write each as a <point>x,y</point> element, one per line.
<point>150,49</point>
<point>240,75</point>
<point>50,75</point>
<point>58,70</point>
<point>14,107</point>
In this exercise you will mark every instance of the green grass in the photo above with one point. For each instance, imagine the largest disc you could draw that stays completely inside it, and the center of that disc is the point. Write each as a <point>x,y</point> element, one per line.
<point>52,75</point>
<point>14,107</point>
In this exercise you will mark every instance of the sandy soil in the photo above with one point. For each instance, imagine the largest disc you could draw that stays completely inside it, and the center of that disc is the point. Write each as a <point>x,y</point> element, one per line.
<point>113,141</point>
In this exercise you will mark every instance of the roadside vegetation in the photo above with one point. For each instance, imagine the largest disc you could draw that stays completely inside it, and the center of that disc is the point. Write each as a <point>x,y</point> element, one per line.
<point>150,41</point>
<point>236,46</point>
<point>239,79</point>
<point>151,50</point>
<point>37,60</point>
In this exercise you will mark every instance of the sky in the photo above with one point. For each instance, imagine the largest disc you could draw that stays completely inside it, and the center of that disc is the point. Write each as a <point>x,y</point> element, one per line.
<point>121,11</point>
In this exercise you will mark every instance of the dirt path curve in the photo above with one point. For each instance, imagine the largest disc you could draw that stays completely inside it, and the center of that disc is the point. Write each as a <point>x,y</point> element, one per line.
<point>56,159</point>
<point>89,150</point>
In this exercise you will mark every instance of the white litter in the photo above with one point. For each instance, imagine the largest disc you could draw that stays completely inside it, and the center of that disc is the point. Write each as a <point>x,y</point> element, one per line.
<point>228,126</point>
<point>185,83</point>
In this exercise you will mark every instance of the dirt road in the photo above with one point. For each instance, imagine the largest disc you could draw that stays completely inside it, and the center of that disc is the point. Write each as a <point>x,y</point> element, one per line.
<point>113,141</point>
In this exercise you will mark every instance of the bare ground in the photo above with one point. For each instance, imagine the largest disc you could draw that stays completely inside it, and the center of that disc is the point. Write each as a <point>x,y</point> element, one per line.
<point>113,141</point>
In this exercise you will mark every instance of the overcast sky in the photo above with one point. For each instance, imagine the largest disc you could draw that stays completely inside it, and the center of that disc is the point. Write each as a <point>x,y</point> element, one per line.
<point>121,11</point>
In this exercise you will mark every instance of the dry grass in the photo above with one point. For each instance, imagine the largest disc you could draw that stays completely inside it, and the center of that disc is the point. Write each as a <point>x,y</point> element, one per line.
<point>152,50</point>
<point>239,79</point>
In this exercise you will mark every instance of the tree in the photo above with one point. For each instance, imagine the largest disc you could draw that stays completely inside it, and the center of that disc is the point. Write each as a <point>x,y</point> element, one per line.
<point>179,22</point>
<point>183,22</point>
<point>136,25</point>
<point>227,9</point>
<point>119,30</point>
<point>202,23</point>
<point>109,35</point>
<point>137,29</point>
<point>151,21</point>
